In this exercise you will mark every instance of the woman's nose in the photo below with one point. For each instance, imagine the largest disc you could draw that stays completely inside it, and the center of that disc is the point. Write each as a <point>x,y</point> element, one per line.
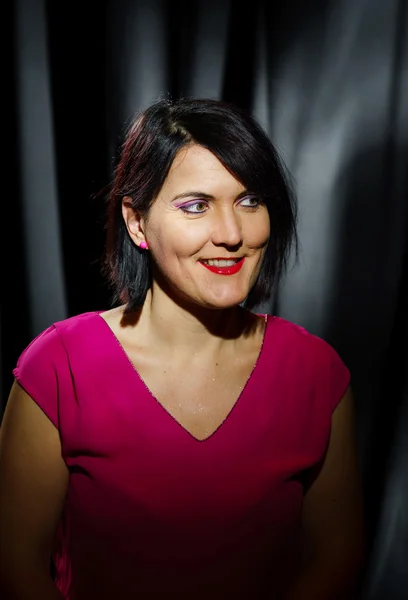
<point>227,229</point>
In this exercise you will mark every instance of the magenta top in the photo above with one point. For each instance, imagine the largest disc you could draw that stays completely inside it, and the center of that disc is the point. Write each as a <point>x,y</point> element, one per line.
<point>152,512</point>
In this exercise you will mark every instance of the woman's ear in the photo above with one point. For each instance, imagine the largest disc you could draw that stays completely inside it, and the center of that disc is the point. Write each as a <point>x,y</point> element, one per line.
<point>133,220</point>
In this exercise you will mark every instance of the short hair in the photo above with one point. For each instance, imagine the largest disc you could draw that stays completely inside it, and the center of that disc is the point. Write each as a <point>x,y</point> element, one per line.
<point>151,143</point>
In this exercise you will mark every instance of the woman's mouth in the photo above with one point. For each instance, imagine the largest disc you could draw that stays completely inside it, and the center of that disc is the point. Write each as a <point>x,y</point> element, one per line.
<point>222,266</point>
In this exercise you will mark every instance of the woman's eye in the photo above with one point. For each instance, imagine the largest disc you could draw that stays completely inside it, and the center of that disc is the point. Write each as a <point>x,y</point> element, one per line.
<point>250,202</point>
<point>194,207</point>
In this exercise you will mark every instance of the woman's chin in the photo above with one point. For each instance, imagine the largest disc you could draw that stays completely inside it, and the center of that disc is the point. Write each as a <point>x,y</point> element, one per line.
<point>212,298</point>
<point>223,301</point>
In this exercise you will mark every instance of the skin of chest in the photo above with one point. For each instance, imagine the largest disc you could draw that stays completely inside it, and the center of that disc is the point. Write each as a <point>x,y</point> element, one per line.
<point>199,395</point>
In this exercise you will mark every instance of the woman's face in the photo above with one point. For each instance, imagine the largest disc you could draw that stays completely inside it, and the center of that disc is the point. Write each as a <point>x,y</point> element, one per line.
<point>203,214</point>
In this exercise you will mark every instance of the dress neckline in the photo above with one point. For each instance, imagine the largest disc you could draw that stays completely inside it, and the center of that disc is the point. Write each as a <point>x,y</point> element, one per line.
<point>236,405</point>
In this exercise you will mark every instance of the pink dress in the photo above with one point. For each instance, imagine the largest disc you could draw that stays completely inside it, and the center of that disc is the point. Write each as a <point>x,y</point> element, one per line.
<point>152,512</point>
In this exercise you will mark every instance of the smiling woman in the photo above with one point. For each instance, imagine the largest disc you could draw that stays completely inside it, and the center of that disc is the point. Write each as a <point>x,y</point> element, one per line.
<point>179,445</point>
<point>197,157</point>
<point>222,224</point>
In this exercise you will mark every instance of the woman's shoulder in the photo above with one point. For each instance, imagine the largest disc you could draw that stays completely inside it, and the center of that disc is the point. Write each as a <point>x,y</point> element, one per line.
<point>309,353</point>
<point>80,321</point>
<point>288,331</point>
<point>298,338</point>
<point>48,343</point>
<point>43,367</point>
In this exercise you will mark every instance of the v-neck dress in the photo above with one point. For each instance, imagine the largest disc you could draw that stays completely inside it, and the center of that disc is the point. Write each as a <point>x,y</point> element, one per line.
<point>152,512</point>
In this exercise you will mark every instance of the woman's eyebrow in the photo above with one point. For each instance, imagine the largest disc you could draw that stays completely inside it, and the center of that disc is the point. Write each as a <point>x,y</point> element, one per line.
<point>193,194</point>
<point>197,194</point>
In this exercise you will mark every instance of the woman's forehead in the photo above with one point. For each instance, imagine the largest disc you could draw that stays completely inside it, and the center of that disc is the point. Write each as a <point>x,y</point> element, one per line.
<point>196,168</point>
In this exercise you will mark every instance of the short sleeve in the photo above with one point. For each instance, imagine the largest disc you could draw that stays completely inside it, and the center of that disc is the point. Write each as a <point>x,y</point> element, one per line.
<point>338,372</point>
<point>37,372</point>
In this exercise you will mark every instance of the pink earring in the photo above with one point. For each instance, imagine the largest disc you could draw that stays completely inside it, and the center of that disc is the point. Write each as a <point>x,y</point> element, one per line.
<point>143,246</point>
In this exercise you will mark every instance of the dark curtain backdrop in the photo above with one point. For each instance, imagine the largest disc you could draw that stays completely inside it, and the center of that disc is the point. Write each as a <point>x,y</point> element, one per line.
<point>328,79</point>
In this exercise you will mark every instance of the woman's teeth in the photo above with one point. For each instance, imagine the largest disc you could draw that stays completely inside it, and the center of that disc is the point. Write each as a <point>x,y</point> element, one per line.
<point>220,263</point>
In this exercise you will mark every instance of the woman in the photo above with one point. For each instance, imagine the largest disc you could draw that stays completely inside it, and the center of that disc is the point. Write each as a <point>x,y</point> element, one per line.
<point>179,445</point>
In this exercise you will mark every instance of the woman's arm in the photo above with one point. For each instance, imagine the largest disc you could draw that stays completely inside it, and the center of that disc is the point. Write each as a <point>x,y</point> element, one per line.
<point>333,523</point>
<point>33,484</point>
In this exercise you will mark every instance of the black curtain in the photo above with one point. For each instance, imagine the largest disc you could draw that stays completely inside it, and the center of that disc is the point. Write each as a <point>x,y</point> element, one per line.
<point>328,79</point>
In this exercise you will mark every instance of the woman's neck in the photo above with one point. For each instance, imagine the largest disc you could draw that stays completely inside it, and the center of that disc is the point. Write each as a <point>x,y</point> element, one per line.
<point>190,328</point>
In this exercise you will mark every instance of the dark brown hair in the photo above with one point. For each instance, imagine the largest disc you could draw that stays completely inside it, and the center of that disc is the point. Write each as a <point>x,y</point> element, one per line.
<point>151,144</point>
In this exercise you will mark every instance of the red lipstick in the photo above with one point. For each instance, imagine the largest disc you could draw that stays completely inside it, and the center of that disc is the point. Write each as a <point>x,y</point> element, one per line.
<point>225,270</point>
